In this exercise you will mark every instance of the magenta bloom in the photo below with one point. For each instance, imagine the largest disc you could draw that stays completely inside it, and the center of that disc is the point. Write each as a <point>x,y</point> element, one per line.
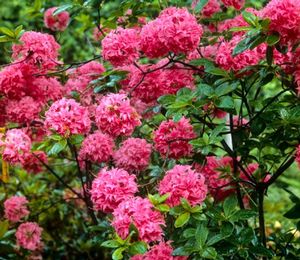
<point>285,19</point>
<point>29,235</point>
<point>15,146</point>
<point>39,49</point>
<point>175,30</point>
<point>15,208</point>
<point>115,116</point>
<point>57,22</point>
<point>112,187</point>
<point>32,164</point>
<point>120,47</point>
<point>140,212</point>
<point>97,148</point>
<point>183,182</point>
<point>134,154</point>
<point>172,138</point>
<point>237,4</point>
<point>298,155</point>
<point>67,117</point>
<point>212,7</point>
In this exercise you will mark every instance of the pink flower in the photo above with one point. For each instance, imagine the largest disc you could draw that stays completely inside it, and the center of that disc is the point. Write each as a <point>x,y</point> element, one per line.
<point>120,47</point>
<point>57,22</point>
<point>97,148</point>
<point>216,178</point>
<point>239,122</point>
<point>115,116</point>
<point>161,251</point>
<point>172,138</point>
<point>32,164</point>
<point>285,19</point>
<point>16,145</point>
<point>140,213</point>
<point>134,154</point>
<point>91,70</point>
<point>214,111</point>
<point>212,7</point>
<point>227,61</point>
<point>183,182</point>
<point>67,117</point>
<point>237,4</point>
<point>175,30</point>
<point>23,111</point>
<point>15,208</point>
<point>47,89</point>
<point>29,235</point>
<point>112,187</point>
<point>39,49</point>
<point>298,155</point>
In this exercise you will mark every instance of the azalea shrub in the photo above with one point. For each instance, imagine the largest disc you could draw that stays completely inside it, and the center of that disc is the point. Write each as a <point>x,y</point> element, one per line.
<point>162,140</point>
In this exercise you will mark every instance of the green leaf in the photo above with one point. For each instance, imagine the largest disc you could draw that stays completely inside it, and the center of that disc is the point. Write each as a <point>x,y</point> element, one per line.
<point>250,18</point>
<point>293,213</point>
<point>62,8</point>
<point>201,235</point>
<point>118,254</point>
<point>272,39</point>
<point>229,206</point>
<point>215,239</point>
<point>189,232</point>
<point>185,204</point>
<point>243,214</point>
<point>182,219</point>
<point>166,99</point>
<point>200,5</point>
<point>217,72</point>
<point>58,147</point>
<point>137,248</point>
<point>3,227</point>
<point>241,46</point>
<point>7,32</point>
<point>209,253</point>
<point>111,244</point>
<point>226,229</point>
<point>226,103</point>
<point>180,251</point>
<point>202,62</point>
<point>5,38</point>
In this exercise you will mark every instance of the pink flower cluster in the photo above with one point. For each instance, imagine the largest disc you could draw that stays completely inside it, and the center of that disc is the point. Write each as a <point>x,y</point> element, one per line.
<point>112,187</point>
<point>32,162</point>
<point>297,155</point>
<point>175,30</point>
<point>15,146</point>
<point>134,154</point>
<point>97,148</point>
<point>183,182</point>
<point>115,116</point>
<point>285,19</point>
<point>57,22</point>
<point>227,61</point>
<point>212,7</point>
<point>67,117</point>
<point>140,213</point>
<point>15,208</point>
<point>120,47</point>
<point>28,235</point>
<point>38,49</point>
<point>237,4</point>
<point>161,251</point>
<point>172,138</point>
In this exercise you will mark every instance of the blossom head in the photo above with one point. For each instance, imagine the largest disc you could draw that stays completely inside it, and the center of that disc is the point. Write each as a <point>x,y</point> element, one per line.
<point>237,4</point>
<point>140,213</point>
<point>67,117</point>
<point>134,154</point>
<point>120,47</point>
<point>97,148</point>
<point>211,7</point>
<point>115,116</point>
<point>15,208</point>
<point>172,138</point>
<point>33,162</point>
<point>58,22</point>
<point>28,235</point>
<point>183,182</point>
<point>112,187</point>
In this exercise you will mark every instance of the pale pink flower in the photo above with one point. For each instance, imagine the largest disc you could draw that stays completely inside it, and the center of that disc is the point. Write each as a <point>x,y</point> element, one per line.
<point>183,182</point>
<point>172,138</point>
<point>15,208</point>
<point>67,117</point>
<point>111,187</point>
<point>97,148</point>
<point>285,19</point>
<point>15,146</point>
<point>237,4</point>
<point>39,49</point>
<point>115,116</point>
<point>175,30</point>
<point>120,47</point>
<point>140,213</point>
<point>28,235</point>
<point>57,22</point>
<point>134,154</point>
